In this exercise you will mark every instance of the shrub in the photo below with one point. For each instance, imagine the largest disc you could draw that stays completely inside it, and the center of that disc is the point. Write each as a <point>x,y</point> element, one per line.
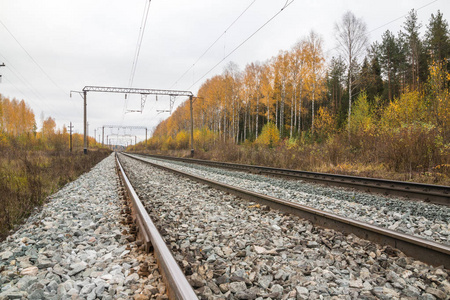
<point>270,136</point>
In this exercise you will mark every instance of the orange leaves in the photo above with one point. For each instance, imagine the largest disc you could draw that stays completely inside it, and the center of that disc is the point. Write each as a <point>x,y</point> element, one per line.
<point>16,117</point>
<point>325,122</point>
<point>48,127</point>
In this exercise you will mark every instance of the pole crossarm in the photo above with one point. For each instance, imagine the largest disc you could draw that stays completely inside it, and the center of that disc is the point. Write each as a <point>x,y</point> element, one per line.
<point>128,127</point>
<point>105,89</point>
<point>144,92</point>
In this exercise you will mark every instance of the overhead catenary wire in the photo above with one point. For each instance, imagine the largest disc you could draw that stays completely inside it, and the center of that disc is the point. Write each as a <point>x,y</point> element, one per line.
<point>139,42</point>
<point>210,46</point>
<point>243,42</point>
<point>137,52</point>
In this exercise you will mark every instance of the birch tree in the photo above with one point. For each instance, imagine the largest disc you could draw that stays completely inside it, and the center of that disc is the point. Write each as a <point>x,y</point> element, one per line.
<point>351,35</point>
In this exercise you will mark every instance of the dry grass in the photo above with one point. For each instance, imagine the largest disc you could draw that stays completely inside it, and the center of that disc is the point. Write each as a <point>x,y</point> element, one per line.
<point>405,155</point>
<point>28,177</point>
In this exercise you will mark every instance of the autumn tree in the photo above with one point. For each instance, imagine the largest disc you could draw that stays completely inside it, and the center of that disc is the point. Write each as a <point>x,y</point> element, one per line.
<point>17,118</point>
<point>351,35</point>
<point>316,67</point>
<point>48,127</point>
<point>299,71</point>
<point>281,81</point>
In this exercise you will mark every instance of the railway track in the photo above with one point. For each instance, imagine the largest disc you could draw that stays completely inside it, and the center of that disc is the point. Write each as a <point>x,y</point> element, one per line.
<point>234,249</point>
<point>177,285</point>
<point>415,191</point>
<point>424,250</point>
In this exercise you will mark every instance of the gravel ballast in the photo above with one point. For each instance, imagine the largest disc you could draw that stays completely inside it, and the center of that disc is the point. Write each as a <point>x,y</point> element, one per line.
<point>425,220</point>
<point>75,247</point>
<point>234,249</point>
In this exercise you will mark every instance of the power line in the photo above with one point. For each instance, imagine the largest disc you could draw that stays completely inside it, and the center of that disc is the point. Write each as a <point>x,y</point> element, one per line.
<point>206,51</point>
<point>22,92</point>
<point>390,22</point>
<point>137,52</point>
<point>31,57</point>
<point>248,38</point>
<point>401,17</point>
<point>139,42</point>
<point>21,78</point>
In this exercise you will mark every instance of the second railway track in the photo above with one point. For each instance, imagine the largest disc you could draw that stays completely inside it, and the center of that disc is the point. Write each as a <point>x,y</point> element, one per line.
<point>437,194</point>
<point>281,239</point>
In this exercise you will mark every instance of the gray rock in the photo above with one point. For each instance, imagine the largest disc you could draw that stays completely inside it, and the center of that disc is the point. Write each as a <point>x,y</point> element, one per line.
<point>277,289</point>
<point>247,294</point>
<point>87,289</point>
<point>265,281</point>
<point>77,268</point>
<point>26,281</point>
<point>196,280</point>
<point>312,244</point>
<point>37,295</point>
<point>436,292</point>
<point>52,286</point>
<point>6,255</point>
<point>133,278</point>
<point>237,287</point>
<point>302,290</point>
<point>411,291</point>
<point>43,263</point>
<point>222,279</point>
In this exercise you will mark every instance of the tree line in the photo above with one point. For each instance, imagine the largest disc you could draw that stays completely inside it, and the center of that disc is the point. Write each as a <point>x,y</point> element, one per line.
<point>18,128</point>
<point>301,93</point>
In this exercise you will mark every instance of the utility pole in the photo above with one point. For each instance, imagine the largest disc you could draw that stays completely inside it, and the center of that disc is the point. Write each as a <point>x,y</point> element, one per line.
<point>70,139</point>
<point>192,127</point>
<point>103,135</point>
<point>87,135</point>
<point>2,65</point>
<point>84,121</point>
<point>95,135</point>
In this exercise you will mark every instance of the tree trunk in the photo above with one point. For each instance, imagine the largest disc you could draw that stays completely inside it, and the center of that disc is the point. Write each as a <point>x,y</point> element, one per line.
<point>313,98</point>
<point>257,114</point>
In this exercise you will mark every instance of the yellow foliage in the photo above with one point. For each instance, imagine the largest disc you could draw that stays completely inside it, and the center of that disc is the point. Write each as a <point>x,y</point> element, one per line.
<point>270,136</point>
<point>325,123</point>
<point>182,140</point>
<point>408,109</point>
<point>439,100</point>
<point>362,121</point>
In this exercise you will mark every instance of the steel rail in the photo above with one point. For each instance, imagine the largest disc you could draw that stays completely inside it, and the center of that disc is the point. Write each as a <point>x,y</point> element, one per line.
<point>427,251</point>
<point>437,194</point>
<point>178,286</point>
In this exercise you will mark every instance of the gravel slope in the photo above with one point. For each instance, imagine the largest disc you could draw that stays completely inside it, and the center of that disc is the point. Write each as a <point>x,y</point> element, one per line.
<point>234,249</point>
<point>421,219</point>
<point>74,248</point>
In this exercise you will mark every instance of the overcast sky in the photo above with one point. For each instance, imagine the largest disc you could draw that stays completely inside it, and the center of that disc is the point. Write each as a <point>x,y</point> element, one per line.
<point>72,44</point>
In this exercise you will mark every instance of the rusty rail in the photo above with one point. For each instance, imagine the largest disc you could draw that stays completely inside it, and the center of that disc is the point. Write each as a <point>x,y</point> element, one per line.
<point>424,250</point>
<point>178,286</point>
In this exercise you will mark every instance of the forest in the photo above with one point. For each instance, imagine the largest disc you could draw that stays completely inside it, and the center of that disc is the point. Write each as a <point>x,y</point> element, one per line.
<point>35,163</point>
<point>379,110</point>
